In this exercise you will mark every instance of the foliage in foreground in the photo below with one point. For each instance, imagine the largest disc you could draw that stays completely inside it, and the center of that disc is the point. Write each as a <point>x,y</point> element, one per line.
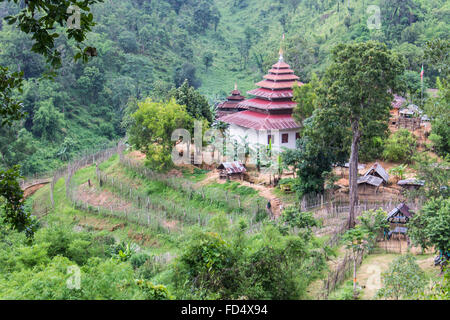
<point>233,265</point>
<point>431,226</point>
<point>43,269</point>
<point>403,280</point>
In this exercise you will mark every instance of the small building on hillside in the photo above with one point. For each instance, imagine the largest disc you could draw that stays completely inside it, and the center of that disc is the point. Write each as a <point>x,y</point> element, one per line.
<point>397,104</point>
<point>411,184</point>
<point>398,218</point>
<point>406,113</point>
<point>232,170</point>
<point>231,105</point>
<point>369,184</point>
<point>344,169</point>
<point>378,171</point>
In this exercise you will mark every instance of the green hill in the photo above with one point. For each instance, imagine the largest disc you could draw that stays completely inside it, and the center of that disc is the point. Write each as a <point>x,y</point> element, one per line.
<point>147,47</point>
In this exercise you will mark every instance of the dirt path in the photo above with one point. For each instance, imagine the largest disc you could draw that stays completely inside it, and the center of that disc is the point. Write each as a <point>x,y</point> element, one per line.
<point>267,193</point>
<point>369,273</point>
<point>29,191</point>
<point>263,191</point>
<point>102,198</point>
<point>109,201</point>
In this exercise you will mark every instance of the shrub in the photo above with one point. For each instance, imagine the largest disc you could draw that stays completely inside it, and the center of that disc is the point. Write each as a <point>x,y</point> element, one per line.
<point>345,292</point>
<point>404,279</point>
<point>400,147</point>
<point>138,260</point>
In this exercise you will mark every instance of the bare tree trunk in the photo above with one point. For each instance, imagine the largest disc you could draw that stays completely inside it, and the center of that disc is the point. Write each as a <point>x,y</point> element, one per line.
<point>354,276</point>
<point>353,172</point>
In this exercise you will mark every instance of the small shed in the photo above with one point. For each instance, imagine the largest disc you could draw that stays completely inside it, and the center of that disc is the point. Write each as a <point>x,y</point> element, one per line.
<point>411,184</point>
<point>425,118</point>
<point>398,102</point>
<point>398,218</point>
<point>411,111</point>
<point>400,214</point>
<point>406,113</point>
<point>378,171</point>
<point>369,184</point>
<point>232,170</point>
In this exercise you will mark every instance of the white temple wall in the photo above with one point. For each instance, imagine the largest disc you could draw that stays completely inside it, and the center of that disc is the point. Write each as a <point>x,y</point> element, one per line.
<point>256,137</point>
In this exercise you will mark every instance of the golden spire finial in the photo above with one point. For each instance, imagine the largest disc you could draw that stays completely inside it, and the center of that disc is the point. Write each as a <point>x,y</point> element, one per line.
<point>235,86</point>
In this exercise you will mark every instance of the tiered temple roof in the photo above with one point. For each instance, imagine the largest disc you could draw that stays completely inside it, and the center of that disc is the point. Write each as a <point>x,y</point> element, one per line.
<point>231,105</point>
<point>272,105</point>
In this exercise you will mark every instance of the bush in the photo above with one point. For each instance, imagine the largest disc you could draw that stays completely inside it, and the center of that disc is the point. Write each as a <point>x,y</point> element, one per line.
<point>138,260</point>
<point>154,292</point>
<point>400,147</point>
<point>345,292</point>
<point>404,279</point>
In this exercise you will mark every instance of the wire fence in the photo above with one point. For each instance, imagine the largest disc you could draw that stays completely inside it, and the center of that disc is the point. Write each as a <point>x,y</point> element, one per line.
<point>163,209</point>
<point>253,206</point>
<point>159,214</point>
<point>341,272</point>
<point>72,167</point>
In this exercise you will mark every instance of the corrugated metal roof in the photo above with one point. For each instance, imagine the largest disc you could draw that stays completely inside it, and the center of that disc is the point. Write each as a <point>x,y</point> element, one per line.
<point>232,167</point>
<point>372,180</point>
<point>261,121</point>
<point>411,182</point>
<point>271,94</point>
<point>406,111</point>
<point>266,104</point>
<point>276,85</point>
<point>402,209</point>
<point>279,77</point>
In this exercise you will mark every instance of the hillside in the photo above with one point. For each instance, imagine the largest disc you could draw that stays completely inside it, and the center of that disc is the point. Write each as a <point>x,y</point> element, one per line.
<point>147,47</point>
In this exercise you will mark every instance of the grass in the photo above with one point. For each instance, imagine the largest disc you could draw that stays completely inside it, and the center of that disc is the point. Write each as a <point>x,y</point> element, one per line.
<point>234,187</point>
<point>152,242</point>
<point>369,273</point>
<point>196,176</point>
<point>65,213</point>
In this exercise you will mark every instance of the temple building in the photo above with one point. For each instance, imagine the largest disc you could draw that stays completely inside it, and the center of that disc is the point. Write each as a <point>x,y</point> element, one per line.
<point>268,116</point>
<point>231,105</point>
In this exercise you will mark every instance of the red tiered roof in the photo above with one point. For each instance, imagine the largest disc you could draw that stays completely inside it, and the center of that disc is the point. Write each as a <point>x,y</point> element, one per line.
<point>281,65</point>
<point>233,100</point>
<point>273,99</point>
<point>261,121</point>
<point>258,103</point>
<point>277,85</point>
<point>281,71</point>
<point>281,77</point>
<point>272,94</point>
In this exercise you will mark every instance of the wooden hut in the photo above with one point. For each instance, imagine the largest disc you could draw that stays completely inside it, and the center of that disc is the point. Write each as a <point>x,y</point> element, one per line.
<point>232,170</point>
<point>378,171</point>
<point>369,184</point>
<point>411,184</point>
<point>398,218</point>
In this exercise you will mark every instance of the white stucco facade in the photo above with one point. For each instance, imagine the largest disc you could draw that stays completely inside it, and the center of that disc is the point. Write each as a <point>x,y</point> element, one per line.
<point>260,137</point>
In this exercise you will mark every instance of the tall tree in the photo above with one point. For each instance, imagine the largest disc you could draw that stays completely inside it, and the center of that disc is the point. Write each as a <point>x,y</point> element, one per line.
<point>152,128</point>
<point>359,83</point>
<point>38,18</point>
<point>196,104</point>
